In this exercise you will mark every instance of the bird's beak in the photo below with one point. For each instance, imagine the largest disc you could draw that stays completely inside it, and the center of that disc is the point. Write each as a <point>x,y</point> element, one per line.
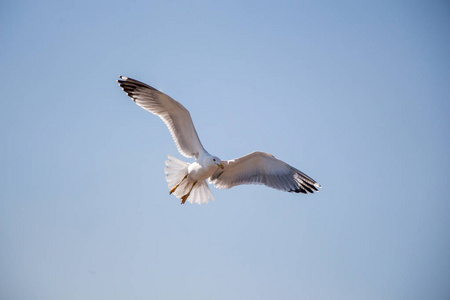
<point>220,166</point>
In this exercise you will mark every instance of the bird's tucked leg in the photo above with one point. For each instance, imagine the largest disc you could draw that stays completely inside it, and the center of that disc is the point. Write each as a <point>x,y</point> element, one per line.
<point>175,187</point>
<point>184,198</point>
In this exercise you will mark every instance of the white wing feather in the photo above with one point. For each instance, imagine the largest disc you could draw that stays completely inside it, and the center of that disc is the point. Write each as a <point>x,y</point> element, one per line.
<point>175,115</point>
<point>263,168</point>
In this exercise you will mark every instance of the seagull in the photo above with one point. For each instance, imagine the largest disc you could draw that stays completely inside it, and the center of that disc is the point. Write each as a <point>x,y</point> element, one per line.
<point>187,181</point>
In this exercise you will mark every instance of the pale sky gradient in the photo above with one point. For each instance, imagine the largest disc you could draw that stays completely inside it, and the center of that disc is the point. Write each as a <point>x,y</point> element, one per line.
<point>353,93</point>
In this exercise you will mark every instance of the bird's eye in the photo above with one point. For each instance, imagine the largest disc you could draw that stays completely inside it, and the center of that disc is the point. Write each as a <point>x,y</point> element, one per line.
<point>214,159</point>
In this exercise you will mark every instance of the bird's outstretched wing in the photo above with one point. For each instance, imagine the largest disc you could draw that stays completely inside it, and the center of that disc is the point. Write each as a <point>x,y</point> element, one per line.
<point>263,168</point>
<point>175,115</point>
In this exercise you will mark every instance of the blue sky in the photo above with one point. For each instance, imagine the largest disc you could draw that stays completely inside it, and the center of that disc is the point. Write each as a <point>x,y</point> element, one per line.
<point>353,93</point>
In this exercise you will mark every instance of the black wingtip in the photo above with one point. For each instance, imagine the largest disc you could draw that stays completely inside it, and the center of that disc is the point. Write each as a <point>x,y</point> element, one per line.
<point>298,190</point>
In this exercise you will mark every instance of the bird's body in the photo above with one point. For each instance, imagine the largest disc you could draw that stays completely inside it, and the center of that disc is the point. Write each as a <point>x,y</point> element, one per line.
<point>203,168</point>
<point>188,181</point>
<point>184,178</point>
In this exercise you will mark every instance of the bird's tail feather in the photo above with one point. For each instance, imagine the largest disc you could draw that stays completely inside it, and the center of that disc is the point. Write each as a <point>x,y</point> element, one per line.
<point>176,171</point>
<point>200,193</point>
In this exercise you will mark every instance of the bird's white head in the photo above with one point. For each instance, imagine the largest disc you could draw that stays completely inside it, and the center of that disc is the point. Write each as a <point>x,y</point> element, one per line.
<point>215,160</point>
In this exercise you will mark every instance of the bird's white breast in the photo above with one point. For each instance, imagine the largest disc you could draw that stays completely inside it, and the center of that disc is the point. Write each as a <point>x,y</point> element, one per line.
<point>197,171</point>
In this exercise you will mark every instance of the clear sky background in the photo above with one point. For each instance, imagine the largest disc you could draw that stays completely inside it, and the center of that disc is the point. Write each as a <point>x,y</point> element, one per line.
<point>353,93</point>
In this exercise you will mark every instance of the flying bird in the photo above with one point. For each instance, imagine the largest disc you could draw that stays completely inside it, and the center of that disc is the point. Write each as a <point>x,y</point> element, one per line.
<point>187,181</point>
